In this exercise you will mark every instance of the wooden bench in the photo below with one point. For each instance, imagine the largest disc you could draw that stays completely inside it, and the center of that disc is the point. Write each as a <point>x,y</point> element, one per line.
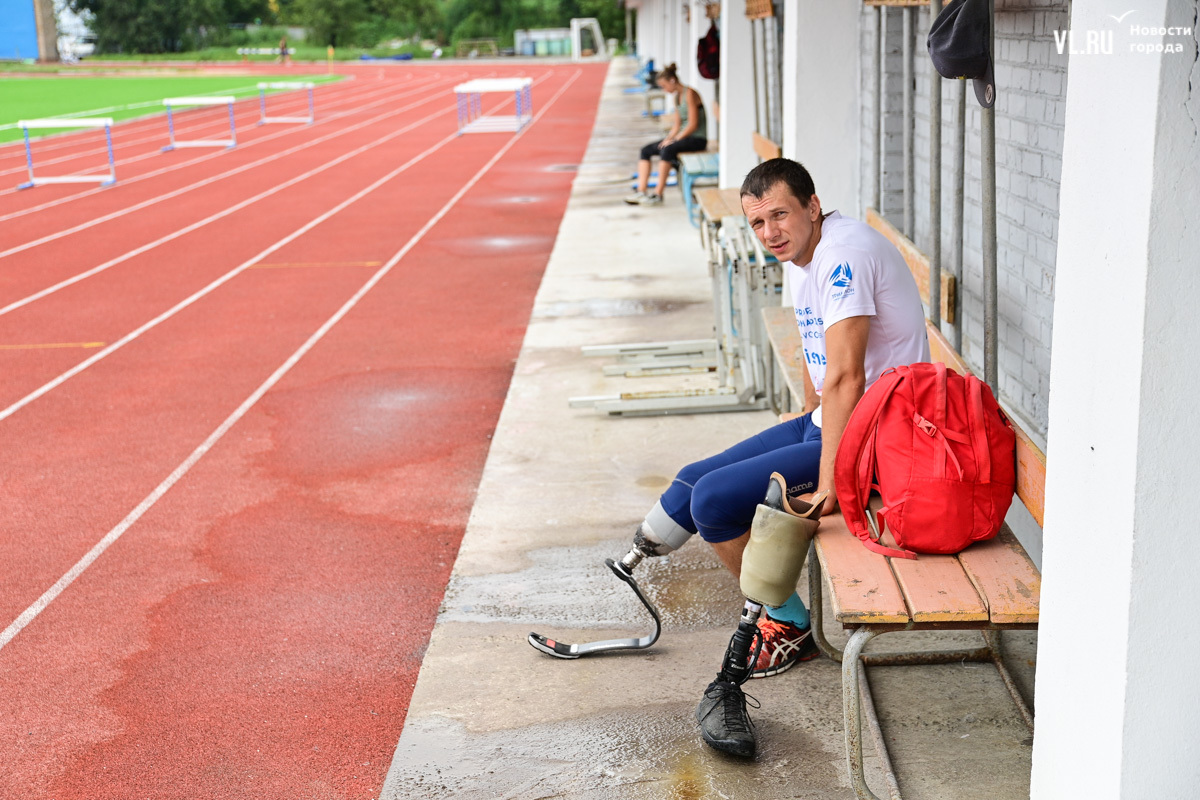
<point>714,206</point>
<point>991,586</point>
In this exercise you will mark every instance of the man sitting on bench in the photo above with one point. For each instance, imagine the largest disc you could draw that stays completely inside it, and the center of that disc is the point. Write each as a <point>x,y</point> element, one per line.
<point>859,313</point>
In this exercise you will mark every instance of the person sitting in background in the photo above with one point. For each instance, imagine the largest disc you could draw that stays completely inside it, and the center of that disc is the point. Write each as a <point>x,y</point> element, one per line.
<point>688,135</point>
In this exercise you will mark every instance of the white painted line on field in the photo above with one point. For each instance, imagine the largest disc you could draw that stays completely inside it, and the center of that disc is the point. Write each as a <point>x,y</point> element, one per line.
<point>13,306</point>
<point>150,125</point>
<point>83,226</point>
<point>80,367</point>
<point>249,144</point>
<point>15,150</point>
<point>156,152</point>
<point>31,613</point>
<point>252,88</point>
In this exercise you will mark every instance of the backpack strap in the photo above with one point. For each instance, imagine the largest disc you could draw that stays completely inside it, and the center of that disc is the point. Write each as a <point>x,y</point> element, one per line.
<point>939,406</point>
<point>854,465</point>
<point>979,440</point>
<point>871,542</point>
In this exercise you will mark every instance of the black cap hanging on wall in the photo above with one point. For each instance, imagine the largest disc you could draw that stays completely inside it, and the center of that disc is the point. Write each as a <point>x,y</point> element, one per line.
<point>960,46</point>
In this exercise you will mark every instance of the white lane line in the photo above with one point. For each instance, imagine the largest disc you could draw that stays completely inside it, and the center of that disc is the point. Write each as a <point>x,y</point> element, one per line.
<point>251,90</point>
<point>31,613</point>
<point>246,115</point>
<point>152,201</point>
<point>117,345</point>
<point>255,142</point>
<point>24,301</point>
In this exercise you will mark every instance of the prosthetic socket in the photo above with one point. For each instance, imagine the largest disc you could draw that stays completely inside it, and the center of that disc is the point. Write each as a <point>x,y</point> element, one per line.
<point>656,536</point>
<point>771,564</point>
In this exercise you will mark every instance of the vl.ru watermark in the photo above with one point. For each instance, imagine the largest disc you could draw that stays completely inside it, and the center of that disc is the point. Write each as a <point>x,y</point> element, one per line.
<point>1142,39</point>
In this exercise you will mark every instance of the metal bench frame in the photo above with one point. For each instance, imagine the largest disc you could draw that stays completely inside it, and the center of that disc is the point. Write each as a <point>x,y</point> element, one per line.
<point>856,688</point>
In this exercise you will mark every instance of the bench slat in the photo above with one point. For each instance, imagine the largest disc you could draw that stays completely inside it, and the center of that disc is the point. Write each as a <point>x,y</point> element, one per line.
<point>764,148</point>
<point>1031,474</point>
<point>1005,577</point>
<point>918,264</point>
<point>937,590</point>
<point>863,588</point>
<point>940,350</point>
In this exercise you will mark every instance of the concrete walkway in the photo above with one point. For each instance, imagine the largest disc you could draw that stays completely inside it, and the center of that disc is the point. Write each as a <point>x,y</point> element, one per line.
<point>563,489</point>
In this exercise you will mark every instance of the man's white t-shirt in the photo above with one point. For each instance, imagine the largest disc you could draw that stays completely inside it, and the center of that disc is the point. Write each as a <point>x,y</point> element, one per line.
<point>857,272</point>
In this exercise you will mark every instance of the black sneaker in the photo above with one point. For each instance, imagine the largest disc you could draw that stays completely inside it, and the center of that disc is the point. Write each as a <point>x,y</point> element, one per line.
<point>724,722</point>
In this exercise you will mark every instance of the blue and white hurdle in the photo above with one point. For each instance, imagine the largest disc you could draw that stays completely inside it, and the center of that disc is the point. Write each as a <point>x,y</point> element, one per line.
<point>263,119</point>
<point>175,102</point>
<point>89,122</point>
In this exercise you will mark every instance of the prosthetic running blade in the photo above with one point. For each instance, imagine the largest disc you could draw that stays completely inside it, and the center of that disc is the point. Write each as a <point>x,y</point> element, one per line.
<point>564,650</point>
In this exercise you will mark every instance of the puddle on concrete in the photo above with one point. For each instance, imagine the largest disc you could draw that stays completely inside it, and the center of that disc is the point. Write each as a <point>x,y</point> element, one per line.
<point>653,752</point>
<point>608,307</point>
<point>636,279</point>
<point>571,588</point>
<point>657,482</point>
<point>504,245</point>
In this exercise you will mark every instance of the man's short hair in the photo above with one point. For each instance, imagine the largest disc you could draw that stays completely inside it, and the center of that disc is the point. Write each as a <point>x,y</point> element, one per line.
<point>766,175</point>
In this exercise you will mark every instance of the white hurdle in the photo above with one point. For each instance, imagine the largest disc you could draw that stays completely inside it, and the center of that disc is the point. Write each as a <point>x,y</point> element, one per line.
<point>263,119</point>
<point>471,118</point>
<point>90,122</point>
<point>172,102</point>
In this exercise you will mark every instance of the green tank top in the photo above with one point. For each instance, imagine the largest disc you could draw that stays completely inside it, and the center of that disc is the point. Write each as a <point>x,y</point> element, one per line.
<point>701,119</point>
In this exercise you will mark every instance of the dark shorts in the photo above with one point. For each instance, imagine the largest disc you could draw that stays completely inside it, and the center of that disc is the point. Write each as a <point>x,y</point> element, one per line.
<point>717,497</point>
<point>670,153</point>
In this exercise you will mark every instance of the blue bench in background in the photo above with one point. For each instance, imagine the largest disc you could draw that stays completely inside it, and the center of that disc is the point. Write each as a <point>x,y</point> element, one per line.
<point>696,169</point>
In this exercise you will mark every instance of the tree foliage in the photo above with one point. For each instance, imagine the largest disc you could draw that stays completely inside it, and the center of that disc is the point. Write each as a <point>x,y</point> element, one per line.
<point>154,26</point>
<point>331,21</point>
<point>151,26</point>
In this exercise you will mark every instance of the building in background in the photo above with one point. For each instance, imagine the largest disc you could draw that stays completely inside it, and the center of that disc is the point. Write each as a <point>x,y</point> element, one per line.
<point>28,31</point>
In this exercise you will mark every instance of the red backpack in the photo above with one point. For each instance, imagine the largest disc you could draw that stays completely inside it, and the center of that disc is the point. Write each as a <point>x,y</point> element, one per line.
<point>939,451</point>
<point>708,54</point>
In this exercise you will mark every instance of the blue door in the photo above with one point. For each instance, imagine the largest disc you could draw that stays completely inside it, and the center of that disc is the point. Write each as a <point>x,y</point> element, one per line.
<point>18,30</point>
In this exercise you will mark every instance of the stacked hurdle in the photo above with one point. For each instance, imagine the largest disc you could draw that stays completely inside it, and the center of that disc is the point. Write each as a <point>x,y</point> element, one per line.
<point>94,122</point>
<point>263,119</point>
<point>175,102</point>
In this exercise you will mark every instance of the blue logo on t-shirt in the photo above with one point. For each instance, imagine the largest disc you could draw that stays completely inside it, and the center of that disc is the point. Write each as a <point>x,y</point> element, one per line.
<point>841,275</point>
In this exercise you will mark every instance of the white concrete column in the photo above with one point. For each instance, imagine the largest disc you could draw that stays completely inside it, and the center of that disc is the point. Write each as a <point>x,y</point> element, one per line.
<point>820,97</point>
<point>634,6</point>
<point>1117,692</point>
<point>706,87</point>
<point>737,95</point>
<point>649,22</point>
<point>670,32</point>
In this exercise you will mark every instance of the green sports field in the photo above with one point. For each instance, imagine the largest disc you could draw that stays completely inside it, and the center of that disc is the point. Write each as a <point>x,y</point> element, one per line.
<point>116,97</point>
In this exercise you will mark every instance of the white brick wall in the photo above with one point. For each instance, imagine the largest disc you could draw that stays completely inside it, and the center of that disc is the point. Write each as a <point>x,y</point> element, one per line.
<point>1030,113</point>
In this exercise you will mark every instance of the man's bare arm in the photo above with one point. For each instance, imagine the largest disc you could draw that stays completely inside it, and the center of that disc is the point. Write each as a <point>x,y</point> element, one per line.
<point>845,381</point>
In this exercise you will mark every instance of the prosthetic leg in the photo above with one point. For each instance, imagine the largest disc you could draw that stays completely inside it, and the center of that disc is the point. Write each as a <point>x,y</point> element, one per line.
<point>771,564</point>
<point>656,536</point>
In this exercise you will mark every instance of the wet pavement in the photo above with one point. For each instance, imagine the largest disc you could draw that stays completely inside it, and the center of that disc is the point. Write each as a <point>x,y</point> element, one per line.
<point>563,489</point>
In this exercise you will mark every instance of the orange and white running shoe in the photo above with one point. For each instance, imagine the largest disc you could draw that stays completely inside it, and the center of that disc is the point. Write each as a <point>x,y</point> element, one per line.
<point>783,646</point>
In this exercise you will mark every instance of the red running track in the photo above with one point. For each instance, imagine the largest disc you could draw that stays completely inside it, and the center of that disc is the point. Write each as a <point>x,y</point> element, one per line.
<point>279,529</point>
